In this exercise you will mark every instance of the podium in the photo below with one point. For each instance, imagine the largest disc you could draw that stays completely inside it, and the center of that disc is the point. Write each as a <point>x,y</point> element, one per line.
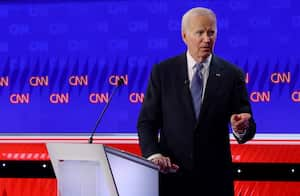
<point>98,170</point>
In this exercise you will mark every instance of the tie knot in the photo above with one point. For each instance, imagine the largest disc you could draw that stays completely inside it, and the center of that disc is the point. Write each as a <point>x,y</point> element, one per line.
<point>199,67</point>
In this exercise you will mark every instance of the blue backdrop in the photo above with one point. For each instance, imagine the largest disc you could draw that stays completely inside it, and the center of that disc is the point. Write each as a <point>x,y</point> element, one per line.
<point>59,60</point>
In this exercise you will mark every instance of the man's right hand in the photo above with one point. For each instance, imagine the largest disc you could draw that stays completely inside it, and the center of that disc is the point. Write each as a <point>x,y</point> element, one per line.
<point>165,164</point>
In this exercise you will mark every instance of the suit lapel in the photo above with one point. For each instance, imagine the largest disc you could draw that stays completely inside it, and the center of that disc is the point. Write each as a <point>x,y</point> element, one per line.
<point>184,86</point>
<point>213,83</point>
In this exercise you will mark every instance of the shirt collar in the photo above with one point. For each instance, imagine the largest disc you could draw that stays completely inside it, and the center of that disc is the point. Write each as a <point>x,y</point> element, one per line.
<point>191,61</point>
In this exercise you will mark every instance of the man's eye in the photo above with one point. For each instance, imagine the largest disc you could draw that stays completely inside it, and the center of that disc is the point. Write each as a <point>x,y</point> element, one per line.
<point>200,32</point>
<point>211,33</point>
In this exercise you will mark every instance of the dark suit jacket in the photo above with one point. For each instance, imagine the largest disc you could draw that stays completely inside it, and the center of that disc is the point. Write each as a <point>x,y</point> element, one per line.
<point>195,145</point>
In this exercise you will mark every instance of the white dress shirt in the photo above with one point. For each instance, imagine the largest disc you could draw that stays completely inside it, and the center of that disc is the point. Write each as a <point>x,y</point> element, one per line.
<point>192,69</point>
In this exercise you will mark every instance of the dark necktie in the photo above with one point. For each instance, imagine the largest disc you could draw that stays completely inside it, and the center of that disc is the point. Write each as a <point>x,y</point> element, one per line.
<point>197,88</point>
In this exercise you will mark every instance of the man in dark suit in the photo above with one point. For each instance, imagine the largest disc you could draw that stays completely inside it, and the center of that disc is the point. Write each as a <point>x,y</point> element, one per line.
<point>191,101</point>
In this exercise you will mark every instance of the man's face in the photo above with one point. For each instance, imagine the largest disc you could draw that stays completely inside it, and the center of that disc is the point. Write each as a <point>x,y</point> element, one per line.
<point>200,36</point>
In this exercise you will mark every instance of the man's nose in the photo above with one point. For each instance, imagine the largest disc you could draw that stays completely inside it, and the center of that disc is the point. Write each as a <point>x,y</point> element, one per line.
<point>206,38</point>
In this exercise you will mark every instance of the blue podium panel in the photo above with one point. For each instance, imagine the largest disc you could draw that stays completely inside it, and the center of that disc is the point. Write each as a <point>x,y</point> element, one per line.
<point>133,175</point>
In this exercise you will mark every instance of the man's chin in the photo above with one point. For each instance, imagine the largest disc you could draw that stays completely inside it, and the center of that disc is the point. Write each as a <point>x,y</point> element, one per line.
<point>204,55</point>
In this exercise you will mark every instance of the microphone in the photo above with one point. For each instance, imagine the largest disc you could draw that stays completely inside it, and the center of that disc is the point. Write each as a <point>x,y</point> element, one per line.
<point>119,83</point>
<point>186,82</point>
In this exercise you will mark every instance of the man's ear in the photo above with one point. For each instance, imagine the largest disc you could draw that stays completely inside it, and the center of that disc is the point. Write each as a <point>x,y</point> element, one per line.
<point>183,35</point>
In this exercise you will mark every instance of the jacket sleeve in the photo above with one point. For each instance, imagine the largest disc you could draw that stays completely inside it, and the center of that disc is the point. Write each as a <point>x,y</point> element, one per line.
<point>150,117</point>
<point>241,104</point>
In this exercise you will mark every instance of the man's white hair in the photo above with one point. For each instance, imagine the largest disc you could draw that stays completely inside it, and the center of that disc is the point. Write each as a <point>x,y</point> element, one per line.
<point>197,11</point>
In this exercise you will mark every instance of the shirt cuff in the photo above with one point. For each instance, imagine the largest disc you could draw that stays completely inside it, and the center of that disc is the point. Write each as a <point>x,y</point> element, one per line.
<point>154,156</point>
<point>239,135</point>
